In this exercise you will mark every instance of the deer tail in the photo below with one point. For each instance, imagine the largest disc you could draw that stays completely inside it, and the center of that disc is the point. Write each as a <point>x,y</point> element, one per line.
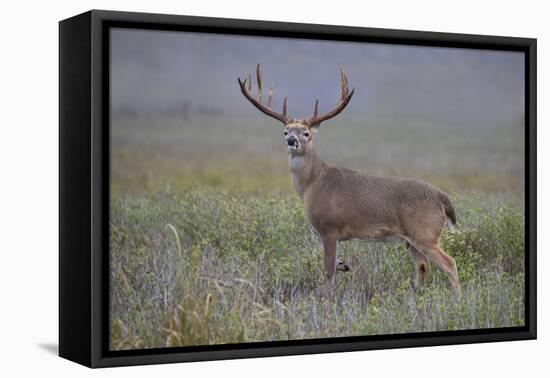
<point>448,207</point>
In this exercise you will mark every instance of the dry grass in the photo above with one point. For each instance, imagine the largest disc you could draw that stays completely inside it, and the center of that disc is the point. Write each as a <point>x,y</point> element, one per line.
<point>151,154</point>
<point>209,243</point>
<point>196,268</point>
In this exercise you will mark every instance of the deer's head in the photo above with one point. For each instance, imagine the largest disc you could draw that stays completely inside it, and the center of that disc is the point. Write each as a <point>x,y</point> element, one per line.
<point>298,133</point>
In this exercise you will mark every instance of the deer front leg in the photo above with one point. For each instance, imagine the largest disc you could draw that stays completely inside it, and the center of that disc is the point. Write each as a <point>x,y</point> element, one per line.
<point>329,246</point>
<point>341,266</point>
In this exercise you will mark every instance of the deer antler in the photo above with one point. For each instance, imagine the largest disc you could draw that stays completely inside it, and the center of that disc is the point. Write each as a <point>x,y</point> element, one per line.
<point>247,92</point>
<point>345,96</point>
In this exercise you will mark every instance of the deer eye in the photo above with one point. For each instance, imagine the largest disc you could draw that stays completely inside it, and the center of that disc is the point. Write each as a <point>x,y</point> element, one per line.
<point>306,134</point>
<point>286,132</point>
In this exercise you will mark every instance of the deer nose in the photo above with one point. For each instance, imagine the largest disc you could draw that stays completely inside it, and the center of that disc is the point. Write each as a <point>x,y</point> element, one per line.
<point>292,141</point>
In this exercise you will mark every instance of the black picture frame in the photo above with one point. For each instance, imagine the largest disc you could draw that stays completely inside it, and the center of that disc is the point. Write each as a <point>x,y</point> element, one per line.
<point>84,187</point>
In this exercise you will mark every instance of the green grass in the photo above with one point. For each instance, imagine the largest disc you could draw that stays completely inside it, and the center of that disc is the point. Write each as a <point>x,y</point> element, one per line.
<point>209,243</point>
<point>204,266</point>
<point>152,153</point>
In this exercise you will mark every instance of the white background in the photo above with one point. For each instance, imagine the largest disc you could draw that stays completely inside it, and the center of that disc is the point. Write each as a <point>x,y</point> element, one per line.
<point>29,186</point>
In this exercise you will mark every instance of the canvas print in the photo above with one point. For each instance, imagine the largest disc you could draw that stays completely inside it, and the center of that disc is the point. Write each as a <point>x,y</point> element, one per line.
<point>270,189</point>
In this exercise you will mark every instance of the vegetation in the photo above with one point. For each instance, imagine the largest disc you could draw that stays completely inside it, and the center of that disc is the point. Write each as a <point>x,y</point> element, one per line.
<point>202,267</point>
<point>209,244</point>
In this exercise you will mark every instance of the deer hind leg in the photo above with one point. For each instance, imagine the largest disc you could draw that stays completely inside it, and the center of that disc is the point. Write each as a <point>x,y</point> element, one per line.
<point>434,253</point>
<point>422,265</point>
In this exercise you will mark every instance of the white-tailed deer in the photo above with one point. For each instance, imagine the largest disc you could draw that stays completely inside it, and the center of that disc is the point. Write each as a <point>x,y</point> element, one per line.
<point>342,204</point>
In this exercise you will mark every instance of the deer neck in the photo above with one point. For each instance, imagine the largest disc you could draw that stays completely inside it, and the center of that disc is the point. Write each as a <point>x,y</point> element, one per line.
<point>304,169</point>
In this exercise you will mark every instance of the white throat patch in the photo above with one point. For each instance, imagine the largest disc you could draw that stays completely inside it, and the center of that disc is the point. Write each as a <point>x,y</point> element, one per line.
<point>295,162</point>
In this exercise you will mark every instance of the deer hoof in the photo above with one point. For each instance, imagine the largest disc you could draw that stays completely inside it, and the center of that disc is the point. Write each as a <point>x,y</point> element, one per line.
<point>342,266</point>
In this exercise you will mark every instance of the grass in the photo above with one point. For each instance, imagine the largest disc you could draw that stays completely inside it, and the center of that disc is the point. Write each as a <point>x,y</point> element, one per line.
<point>149,154</point>
<point>209,245</point>
<point>201,267</point>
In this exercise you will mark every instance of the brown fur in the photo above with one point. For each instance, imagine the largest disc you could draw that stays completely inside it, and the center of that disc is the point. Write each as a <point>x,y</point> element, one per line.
<point>343,204</point>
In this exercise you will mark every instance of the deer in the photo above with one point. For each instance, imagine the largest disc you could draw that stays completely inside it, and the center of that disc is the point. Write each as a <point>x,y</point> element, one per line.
<point>342,204</point>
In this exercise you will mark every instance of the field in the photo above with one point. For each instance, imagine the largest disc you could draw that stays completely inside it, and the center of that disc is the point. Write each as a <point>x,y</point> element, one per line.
<point>209,243</point>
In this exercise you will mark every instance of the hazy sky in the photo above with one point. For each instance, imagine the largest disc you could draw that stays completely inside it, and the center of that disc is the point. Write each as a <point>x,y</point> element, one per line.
<point>157,71</point>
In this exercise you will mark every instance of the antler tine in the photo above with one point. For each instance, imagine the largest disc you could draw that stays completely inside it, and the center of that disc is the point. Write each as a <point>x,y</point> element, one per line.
<point>345,97</point>
<point>270,96</point>
<point>341,83</point>
<point>344,90</point>
<point>246,89</point>
<point>259,80</point>
<point>316,111</point>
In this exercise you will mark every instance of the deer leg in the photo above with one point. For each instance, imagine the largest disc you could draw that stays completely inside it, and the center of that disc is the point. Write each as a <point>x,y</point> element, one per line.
<point>329,246</point>
<point>342,266</point>
<point>422,265</point>
<point>444,261</point>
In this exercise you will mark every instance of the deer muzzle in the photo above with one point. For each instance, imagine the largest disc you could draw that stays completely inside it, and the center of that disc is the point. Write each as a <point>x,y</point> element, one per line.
<point>292,142</point>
